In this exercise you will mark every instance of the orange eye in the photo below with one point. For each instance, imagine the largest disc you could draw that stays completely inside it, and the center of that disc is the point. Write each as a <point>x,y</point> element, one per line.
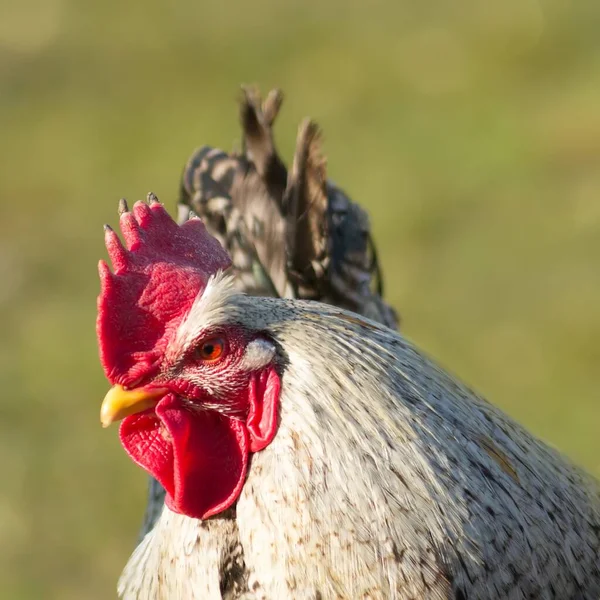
<point>211,350</point>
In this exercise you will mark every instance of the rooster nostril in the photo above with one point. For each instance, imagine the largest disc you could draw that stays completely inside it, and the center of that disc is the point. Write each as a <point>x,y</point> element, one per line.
<point>134,384</point>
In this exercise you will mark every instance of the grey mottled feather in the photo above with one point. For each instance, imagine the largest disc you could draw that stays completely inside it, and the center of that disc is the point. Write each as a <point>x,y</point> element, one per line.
<point>295,234</point>
<point>387,479</point>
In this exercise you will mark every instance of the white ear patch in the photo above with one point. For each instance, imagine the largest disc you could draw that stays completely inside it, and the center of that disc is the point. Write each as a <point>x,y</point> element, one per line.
<point>259,353</point>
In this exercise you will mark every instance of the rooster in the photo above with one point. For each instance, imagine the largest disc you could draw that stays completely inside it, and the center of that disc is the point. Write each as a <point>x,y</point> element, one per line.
<point>310,453</point>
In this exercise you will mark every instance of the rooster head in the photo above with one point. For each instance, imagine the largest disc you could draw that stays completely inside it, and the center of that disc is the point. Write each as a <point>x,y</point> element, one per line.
<point>196,395</point>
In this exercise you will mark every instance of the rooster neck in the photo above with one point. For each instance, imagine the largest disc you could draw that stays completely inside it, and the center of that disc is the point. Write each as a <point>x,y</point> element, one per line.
<point>188,558</point>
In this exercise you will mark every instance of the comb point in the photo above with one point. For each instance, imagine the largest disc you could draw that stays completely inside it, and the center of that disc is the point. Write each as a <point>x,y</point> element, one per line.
<point>131,230</point>
<point>116,251</point>
<point>142,212</point>
<point>123,208</point>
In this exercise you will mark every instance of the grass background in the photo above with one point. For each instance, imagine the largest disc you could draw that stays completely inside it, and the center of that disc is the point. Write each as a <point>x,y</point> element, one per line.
<point>469,129</point>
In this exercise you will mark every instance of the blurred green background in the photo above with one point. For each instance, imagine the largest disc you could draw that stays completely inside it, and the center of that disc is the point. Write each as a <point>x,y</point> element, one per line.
<point>469,129</point>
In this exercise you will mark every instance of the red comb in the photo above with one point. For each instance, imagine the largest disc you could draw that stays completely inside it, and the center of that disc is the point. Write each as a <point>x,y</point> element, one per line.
<point>156,279</point>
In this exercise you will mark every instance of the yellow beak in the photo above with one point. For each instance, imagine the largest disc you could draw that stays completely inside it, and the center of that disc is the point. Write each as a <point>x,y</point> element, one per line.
<point>120,402</point>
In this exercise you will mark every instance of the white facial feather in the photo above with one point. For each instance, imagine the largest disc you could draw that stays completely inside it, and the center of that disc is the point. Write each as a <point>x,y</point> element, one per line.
<point>259,353</point>
<point>209,309</point>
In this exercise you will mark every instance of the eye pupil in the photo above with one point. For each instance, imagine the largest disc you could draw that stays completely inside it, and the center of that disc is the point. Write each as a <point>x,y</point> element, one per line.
<point>211,349</point>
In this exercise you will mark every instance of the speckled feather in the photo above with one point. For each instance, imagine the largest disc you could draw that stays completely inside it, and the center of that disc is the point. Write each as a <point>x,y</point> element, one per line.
<point>387,479</point>
<point>290,234</point>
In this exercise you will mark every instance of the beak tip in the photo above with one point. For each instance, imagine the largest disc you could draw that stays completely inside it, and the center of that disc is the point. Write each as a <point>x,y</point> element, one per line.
<point>108,414</point>
<point>105,421</point>
<point>120,402</point>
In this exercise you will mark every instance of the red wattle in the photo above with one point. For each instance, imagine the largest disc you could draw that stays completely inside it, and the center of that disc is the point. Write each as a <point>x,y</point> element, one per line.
<point>263,398</point>
<point>200,457</point>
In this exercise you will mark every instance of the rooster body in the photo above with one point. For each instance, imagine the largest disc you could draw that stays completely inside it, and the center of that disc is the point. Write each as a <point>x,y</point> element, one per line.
<point>342,464</point>
<point>386,479</point>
